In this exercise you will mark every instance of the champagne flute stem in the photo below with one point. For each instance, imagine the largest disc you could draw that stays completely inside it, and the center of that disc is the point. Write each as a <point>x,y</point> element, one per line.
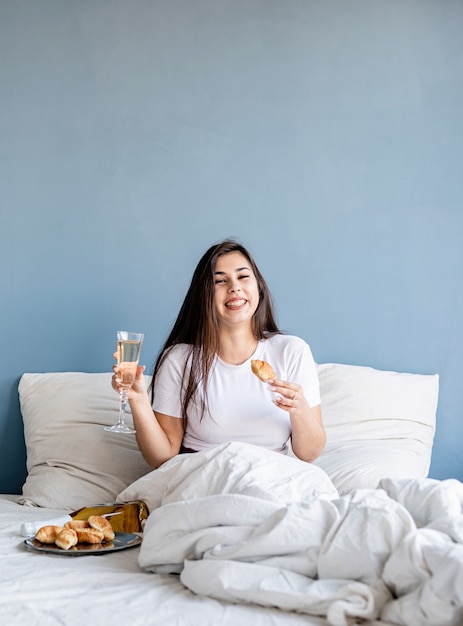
<point>124,398</point>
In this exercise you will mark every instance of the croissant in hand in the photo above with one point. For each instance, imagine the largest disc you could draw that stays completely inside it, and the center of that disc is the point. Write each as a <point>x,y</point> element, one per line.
<point>262,370</point>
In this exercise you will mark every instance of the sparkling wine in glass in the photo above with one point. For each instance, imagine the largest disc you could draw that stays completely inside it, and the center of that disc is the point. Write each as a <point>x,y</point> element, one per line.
<point>128,355</point>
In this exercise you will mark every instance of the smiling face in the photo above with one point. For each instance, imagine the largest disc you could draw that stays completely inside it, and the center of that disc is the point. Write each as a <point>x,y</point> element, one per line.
<point>236,295</point>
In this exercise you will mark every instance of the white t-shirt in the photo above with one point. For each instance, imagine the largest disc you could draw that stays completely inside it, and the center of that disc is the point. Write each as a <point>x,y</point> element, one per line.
<point>240,405</point>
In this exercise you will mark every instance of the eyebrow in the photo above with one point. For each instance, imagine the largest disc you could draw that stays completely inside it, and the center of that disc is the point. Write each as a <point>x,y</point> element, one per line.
<point>238,269</point>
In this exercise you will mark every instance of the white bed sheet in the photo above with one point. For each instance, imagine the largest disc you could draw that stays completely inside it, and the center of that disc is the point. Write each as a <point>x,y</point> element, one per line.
<point>40,589</point>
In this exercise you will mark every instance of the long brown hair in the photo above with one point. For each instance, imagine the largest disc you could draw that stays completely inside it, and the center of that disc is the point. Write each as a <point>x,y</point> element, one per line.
<point>196,324</point>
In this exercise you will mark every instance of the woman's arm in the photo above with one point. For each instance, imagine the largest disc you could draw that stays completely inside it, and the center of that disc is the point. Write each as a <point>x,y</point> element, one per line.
<point>308,436</point>
<point>159,436</point>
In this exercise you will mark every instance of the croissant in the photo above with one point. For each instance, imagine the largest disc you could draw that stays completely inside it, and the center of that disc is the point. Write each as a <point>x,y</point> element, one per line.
<point>89,535</point>
<point>102,524</point>
<point>77,524</point>
<point>48,534</point>
<point>262,370</point>
<point>66,539</point>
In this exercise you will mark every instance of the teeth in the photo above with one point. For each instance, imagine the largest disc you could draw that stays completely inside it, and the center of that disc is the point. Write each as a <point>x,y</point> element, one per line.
<point>235,304</point>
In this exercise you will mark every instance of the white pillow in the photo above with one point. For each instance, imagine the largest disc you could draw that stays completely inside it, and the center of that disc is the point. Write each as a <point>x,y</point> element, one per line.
<point>71,460</point>
<point>379,424</point>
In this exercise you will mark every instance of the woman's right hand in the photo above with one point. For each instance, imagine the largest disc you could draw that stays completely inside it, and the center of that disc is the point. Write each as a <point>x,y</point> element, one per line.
<point>138,387</point>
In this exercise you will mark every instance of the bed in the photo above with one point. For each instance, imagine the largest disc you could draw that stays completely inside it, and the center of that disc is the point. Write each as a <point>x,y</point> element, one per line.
<point>238,535</point>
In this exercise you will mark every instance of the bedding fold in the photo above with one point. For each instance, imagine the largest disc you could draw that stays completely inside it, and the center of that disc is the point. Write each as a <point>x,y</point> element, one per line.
<point>244,525</point>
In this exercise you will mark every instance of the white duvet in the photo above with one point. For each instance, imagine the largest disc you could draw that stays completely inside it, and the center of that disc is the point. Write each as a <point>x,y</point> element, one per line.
<point>242,524</point>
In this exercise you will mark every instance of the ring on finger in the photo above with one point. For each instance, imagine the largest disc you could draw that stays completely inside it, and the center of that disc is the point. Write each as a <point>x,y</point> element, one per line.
<point>294,397</point>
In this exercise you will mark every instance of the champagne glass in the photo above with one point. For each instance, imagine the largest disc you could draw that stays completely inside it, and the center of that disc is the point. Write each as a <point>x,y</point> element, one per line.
<point>128,354</point>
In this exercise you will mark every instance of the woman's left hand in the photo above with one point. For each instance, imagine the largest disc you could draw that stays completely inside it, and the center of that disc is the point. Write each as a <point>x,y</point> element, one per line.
<point>307,433</point>
<point>289,396</point>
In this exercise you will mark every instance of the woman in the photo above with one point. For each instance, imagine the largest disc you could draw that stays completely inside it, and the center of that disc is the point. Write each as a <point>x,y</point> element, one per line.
<point>203,391</point>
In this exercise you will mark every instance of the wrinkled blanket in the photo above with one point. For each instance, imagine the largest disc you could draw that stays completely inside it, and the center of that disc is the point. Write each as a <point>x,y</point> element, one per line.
<point>242,524</point>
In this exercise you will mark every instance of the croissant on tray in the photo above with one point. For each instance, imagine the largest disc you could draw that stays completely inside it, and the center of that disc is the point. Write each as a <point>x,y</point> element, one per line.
<point>89,535</point>
<point>77,524</point>
<point>102,524</point>
<point>66,539</point>
<point>48,534</point>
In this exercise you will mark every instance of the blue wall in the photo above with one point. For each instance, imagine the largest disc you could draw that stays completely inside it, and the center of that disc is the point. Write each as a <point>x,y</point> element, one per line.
<point>327,135</point>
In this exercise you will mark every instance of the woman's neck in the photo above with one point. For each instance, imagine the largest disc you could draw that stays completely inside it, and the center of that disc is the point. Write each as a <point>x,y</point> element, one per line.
<point>237,348</point>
